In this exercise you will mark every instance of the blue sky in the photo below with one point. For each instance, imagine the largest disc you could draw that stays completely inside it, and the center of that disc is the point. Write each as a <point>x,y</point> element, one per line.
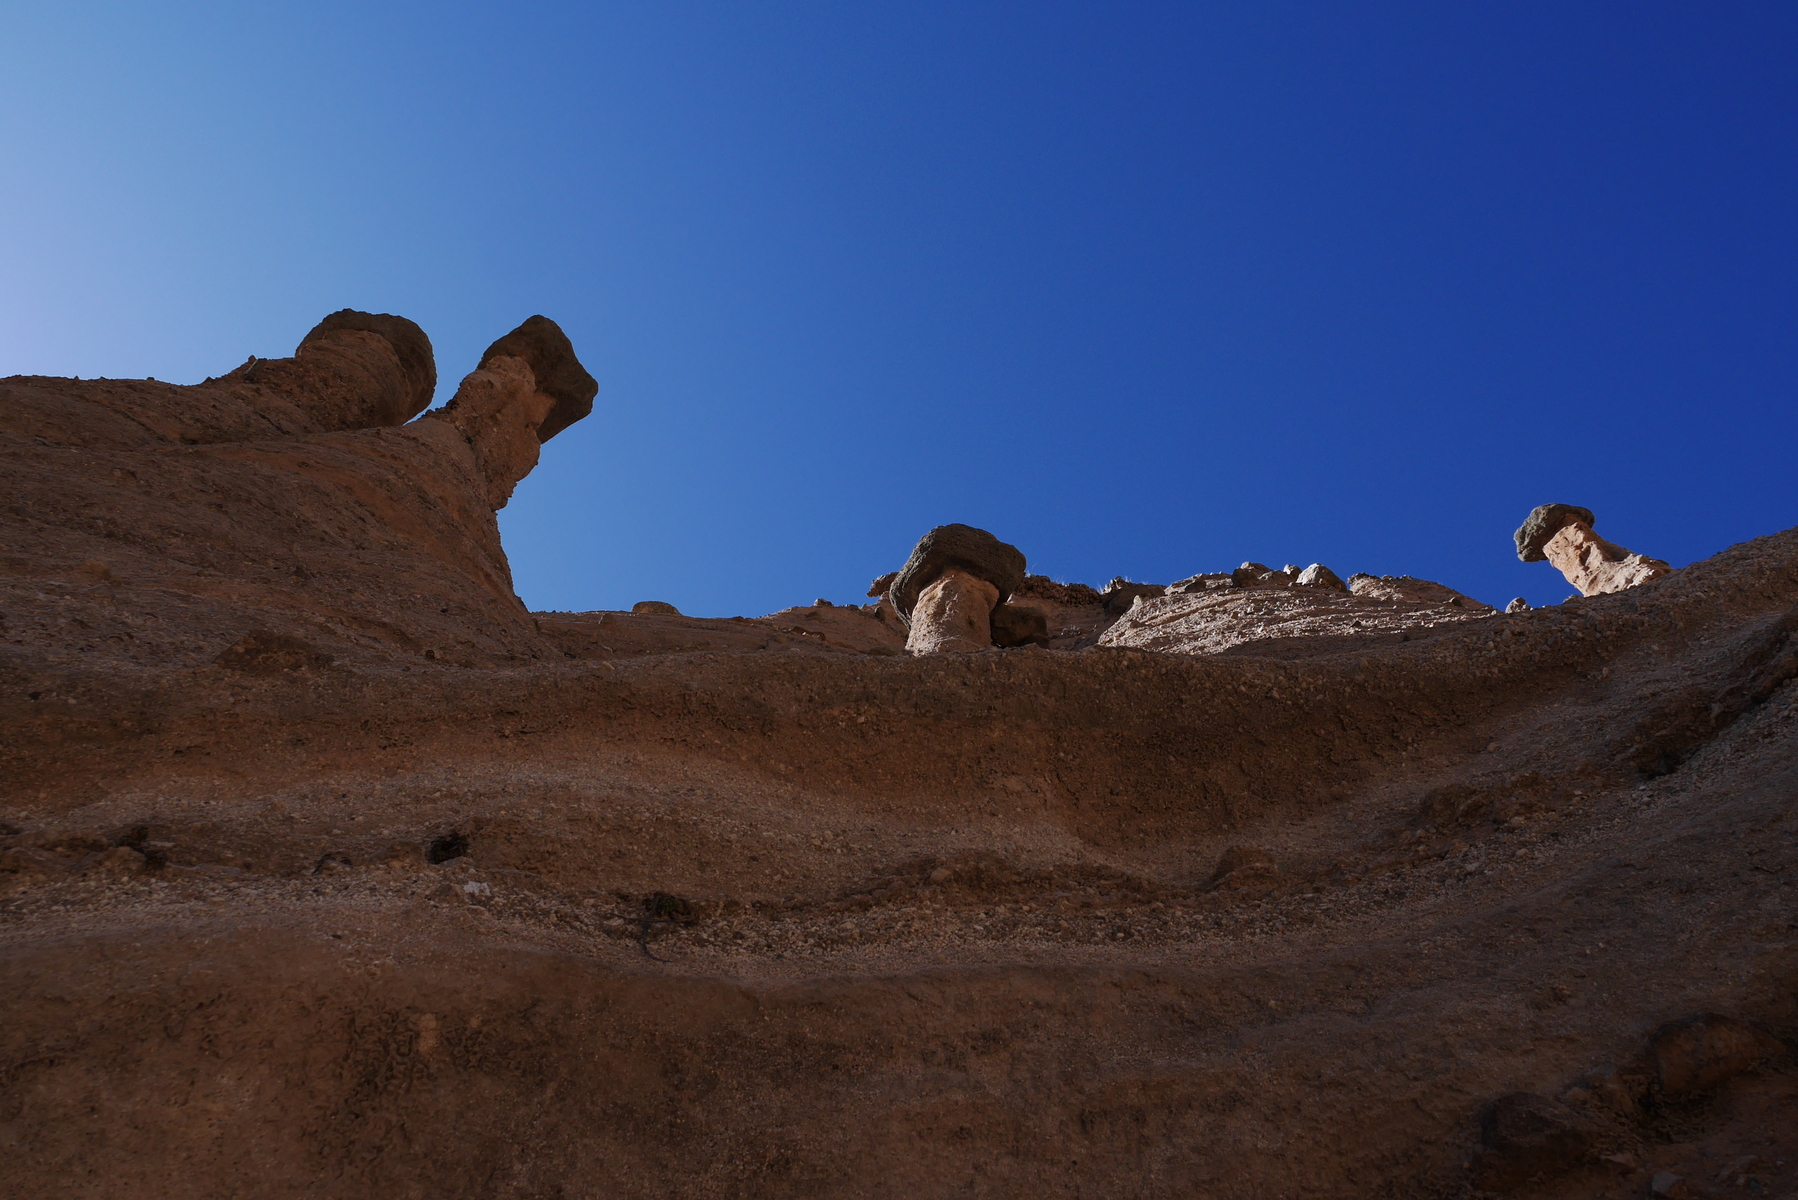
<point>1145,289</point>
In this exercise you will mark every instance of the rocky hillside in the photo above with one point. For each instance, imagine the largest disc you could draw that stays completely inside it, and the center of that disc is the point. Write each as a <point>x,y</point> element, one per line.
<point>326,868</point>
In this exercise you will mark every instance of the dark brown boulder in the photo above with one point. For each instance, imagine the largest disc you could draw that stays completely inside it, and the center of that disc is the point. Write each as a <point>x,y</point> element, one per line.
<point>560,376</point>
<point>975,551</point>
<point>1525,1136</point>
<point>409,342</point>
<point>1701,1052</point>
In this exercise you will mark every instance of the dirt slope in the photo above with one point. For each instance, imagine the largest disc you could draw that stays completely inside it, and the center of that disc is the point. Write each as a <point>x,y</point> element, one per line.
<point>330,870</point>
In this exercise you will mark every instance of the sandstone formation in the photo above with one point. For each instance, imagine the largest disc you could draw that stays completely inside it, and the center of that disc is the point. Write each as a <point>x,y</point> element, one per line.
<point>327,868</point>
<point>953,615</point>
<point>947,590</point>
<point>974,552</point>
<point>1562,534</point>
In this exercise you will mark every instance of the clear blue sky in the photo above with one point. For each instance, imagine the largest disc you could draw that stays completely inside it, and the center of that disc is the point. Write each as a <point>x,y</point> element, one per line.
<point>1147,289</point>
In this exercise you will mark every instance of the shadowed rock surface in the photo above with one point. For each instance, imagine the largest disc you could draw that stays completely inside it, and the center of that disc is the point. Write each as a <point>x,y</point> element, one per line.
<point>322,859</point>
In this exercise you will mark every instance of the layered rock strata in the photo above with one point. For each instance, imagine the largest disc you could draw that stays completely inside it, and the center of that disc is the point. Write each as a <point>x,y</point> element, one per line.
<point>320,859</point>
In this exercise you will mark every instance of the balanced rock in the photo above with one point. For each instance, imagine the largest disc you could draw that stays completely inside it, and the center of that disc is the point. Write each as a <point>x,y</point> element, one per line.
<point>974,552</point>
<point>503,411</point>
<point>556,371</point>
<point>953,615</point>
<point>1562,534</point>
<point>1544,521</point>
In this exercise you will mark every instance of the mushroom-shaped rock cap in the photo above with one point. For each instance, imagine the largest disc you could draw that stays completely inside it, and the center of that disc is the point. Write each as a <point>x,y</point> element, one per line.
<point>1544,521</point>
<point>560,376</point>
<point>407,339</point>
<point>975,551</point>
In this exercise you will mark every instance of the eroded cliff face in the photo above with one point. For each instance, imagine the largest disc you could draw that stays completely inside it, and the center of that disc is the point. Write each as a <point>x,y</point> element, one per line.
<point>327,866</point>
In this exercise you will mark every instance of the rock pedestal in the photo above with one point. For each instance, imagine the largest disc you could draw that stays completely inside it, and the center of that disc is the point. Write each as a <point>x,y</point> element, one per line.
<point>1596,566</point>
<point>953,615</point>
<point>1562,534</point>
<point>528,387</point>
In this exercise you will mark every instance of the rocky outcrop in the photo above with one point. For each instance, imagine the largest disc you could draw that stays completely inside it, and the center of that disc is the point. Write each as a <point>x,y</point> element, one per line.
<point>1319,576</point>
<point>958,557</point>
<point>320,858</point>
<point>972,551</point>
<point>1562,534</point>
<point>295,478</point>
<point>514,402</point>
<point>1596,566</point>
<point>354,370</point>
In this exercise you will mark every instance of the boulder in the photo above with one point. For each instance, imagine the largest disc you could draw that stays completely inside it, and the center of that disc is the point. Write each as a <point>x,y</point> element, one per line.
<point>353,370</point>
<point>953,615</point>
<point>1020,625</point>
<point>410,345</point>
<point>661,607</point>
<point>974,552</point>
<point>1254,574</point>
<point>1544,521</point>
<point>1701,1052</point>
<point>1517,605</point>
<point>1526,1135</point>
<point>557,372</point>
<point>1319,576</point>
